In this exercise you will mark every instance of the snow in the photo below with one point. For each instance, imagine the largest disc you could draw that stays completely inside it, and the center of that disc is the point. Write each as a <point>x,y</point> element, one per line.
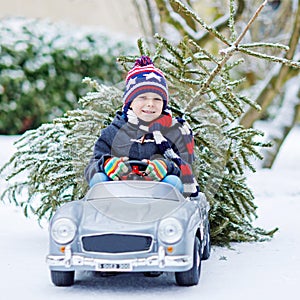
<point>268,270</point>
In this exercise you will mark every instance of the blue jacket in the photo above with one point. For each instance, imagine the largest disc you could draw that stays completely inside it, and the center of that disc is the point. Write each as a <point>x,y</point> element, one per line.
<point>121,138</point>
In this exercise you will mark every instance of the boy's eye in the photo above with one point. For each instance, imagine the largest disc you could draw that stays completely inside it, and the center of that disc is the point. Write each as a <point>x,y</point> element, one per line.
<point>146,98</point>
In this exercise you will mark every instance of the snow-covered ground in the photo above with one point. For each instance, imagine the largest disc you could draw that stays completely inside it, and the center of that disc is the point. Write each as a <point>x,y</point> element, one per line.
<point>269,270</point>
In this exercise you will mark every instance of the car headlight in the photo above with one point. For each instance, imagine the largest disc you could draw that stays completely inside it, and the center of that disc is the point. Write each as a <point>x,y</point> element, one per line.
<point>63,231</point>
<point>170,230</point>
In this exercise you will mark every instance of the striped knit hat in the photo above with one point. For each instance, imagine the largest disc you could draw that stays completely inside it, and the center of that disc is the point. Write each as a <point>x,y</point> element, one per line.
<point>143,78</point>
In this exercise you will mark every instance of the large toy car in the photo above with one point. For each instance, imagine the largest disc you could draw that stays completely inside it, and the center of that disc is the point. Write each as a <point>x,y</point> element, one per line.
<point>130,225</point>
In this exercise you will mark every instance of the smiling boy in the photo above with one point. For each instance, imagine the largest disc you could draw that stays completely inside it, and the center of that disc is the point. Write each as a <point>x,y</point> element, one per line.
<point>145,131</point>
<point>147,106</point>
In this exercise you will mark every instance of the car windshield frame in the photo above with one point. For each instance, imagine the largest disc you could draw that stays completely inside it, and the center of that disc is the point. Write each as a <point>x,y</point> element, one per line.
<point>134,189</point>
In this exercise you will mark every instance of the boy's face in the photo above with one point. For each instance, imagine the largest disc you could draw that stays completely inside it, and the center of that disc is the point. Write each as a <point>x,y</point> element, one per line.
<point>147,106</point>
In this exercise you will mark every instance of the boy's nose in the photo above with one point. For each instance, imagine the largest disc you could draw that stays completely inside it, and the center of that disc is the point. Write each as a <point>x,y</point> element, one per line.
<point>149,102</point>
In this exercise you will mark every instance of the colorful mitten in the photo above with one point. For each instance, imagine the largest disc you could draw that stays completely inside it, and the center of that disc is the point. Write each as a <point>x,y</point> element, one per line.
<point>157,169</point>
<point>114,167</point>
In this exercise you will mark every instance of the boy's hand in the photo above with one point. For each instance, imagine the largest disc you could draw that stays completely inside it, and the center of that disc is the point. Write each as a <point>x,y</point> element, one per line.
<point>114,167</point>
<point>157,169</point>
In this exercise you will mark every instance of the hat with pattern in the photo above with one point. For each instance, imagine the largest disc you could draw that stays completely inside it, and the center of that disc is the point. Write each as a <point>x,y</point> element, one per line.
<point>144,77</point>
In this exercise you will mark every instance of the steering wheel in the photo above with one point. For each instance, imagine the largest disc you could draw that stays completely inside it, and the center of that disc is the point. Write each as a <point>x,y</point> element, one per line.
<point>136,170</point>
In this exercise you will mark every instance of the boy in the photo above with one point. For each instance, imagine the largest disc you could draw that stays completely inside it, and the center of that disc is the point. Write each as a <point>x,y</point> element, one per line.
<point>146,131</point>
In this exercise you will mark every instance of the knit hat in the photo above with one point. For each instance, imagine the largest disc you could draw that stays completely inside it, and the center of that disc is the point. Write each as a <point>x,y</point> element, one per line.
<point>144,77</point>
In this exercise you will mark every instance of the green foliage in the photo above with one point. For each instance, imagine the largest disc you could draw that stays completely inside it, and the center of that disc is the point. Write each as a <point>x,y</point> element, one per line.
<point>202,91</point>
<point>41,68</point>
<point>47,168</point>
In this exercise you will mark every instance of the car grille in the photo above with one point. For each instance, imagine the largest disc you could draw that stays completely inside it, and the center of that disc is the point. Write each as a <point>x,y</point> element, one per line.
<point>116,243</point>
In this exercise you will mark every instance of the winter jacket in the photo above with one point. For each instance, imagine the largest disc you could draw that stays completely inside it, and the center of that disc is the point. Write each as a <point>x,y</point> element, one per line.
<point>121,139</point>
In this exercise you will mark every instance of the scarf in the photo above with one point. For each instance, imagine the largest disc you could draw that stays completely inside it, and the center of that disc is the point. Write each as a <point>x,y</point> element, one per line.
<point>190,185</point>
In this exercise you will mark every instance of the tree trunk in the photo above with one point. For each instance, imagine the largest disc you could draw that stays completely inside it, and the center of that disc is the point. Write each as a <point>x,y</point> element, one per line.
<point>286,118</point>
<point>276,81</point>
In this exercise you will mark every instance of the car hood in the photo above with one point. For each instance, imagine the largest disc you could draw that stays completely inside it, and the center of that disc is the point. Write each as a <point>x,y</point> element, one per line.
<point>133,210</point>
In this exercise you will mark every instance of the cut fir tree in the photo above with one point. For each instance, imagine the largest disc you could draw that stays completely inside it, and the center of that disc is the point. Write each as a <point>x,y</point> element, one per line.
<point>201,91</point>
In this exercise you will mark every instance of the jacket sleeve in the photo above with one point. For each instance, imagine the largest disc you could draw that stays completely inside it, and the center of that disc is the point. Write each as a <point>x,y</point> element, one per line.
<point>172,168</point>
<point>102,151</point>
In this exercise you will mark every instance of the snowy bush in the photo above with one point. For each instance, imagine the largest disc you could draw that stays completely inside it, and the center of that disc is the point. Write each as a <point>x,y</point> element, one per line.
<point>41,68</point>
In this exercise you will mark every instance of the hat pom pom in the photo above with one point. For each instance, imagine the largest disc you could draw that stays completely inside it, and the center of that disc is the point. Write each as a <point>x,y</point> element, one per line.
<point>143,61</point>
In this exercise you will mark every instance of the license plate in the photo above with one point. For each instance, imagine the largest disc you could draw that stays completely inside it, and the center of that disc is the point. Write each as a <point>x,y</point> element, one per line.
<point>113,267</point>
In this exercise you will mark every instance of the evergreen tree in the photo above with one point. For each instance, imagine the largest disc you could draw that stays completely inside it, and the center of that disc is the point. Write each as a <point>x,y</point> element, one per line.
<point>202,91</point>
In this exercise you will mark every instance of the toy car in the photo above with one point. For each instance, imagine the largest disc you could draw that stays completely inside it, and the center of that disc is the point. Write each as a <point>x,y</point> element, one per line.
<point>131,225</point>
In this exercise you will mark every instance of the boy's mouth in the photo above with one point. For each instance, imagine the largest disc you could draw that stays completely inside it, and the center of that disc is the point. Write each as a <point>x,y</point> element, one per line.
<point>145,111</point>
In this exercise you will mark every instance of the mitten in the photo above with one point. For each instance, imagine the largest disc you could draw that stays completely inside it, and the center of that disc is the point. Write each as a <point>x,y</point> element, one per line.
<point>114,167</point>
<point>156,169</point>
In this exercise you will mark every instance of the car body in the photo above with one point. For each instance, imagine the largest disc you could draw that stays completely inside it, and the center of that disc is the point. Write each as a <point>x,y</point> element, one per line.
<point>130,226</point>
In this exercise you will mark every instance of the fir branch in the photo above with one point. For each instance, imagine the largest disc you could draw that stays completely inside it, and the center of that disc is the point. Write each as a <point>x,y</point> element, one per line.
<point>231,20</point>
<point>227,53</point>
<point>144,50</point>
<point>248,101</point>
<point>201,51</point>
<point>276,59</point>
<point>191,14</point>
<point>173,50</point>
<point>265,45</point>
